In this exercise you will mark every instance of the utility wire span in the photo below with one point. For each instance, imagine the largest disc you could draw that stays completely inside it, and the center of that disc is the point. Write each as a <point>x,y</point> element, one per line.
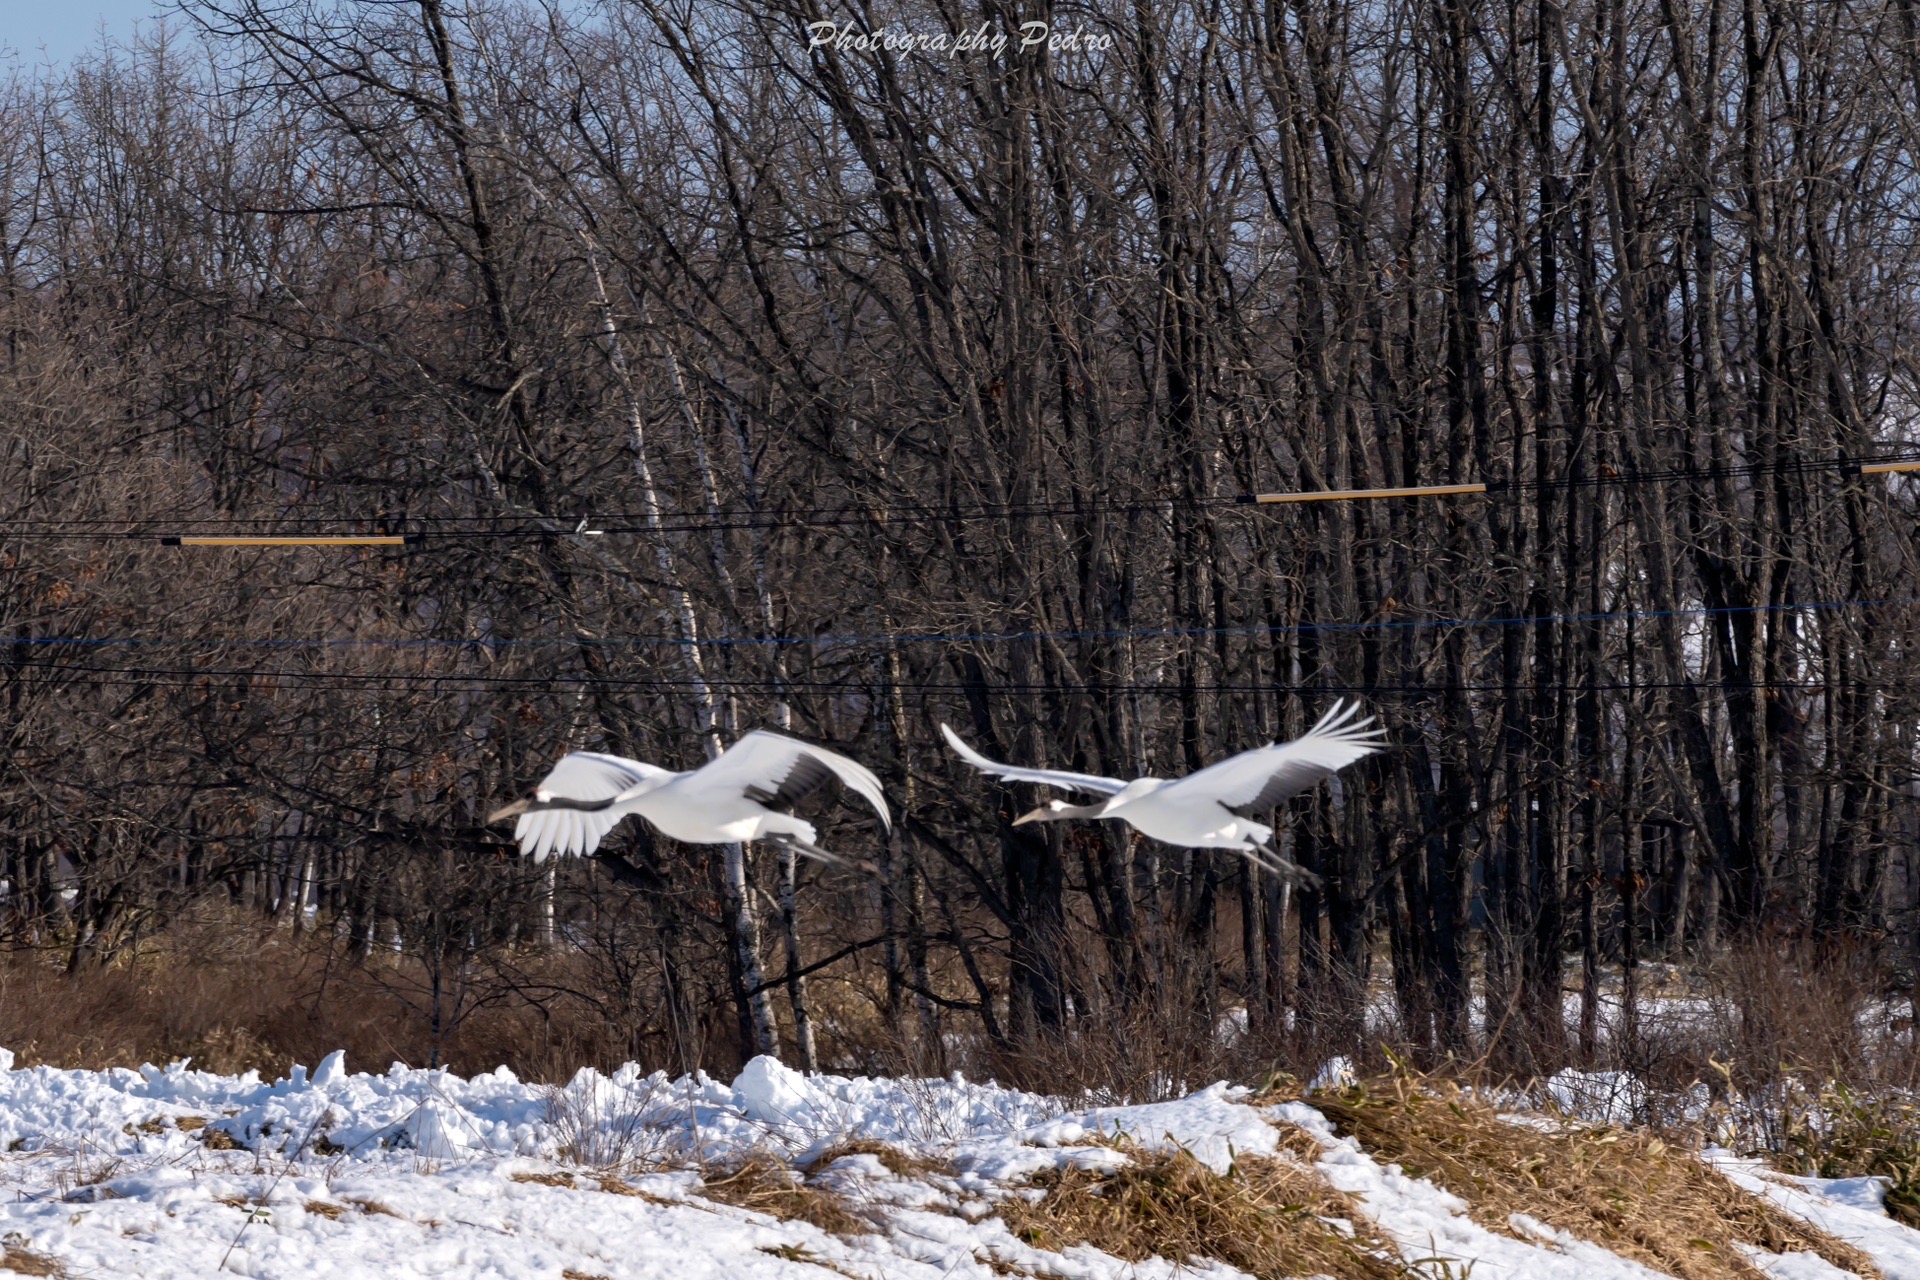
<point>412,530</point>
<point>493,644</point>
<point>1497,488</point>
<point>1350,495</point>
<point>59,676</point>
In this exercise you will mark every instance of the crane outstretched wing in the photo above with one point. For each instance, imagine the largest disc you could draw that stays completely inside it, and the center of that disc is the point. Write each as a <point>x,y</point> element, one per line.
<point>1089,782</point>
<point>1257,780</point>
<point>779,772</point>
<point>585,788</point>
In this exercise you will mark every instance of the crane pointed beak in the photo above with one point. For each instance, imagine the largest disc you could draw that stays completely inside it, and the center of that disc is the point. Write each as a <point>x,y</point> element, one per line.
<point>516,808</point>
<point>1033,816</point>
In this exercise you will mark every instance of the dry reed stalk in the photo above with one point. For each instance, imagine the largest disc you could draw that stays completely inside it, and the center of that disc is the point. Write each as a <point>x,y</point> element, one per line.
<point>1647,1200</point>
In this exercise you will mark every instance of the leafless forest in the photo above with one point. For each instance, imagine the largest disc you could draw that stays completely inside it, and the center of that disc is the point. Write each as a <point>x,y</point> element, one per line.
<point>730,382</point>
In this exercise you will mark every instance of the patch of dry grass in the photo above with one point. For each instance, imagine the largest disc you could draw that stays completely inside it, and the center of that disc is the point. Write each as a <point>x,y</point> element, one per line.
<point>369,1206</point>
<point>794,1253</point>
<point>767,1186</point>
<point>25,1263</point>
<point>897,1161</point>
<point>1265,1216</point>
<point>1627,1191</point>
<point>620,1187</point>
<point>605,1182</point>
<point>235,994</point>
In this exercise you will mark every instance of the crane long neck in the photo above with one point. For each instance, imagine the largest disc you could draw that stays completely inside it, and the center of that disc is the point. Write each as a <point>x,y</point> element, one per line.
<point>1059,811</point>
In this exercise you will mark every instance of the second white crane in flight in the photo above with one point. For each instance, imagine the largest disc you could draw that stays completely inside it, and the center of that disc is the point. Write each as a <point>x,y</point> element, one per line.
<point>1213,808</point>
<point>742,794</point>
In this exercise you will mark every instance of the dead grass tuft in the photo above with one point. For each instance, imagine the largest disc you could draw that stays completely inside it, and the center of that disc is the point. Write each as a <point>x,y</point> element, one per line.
<point>369,1206</point>
<point>619,1187</point>
<point>794,1253</point>
<point>610,1185</point>
<point>900,1163</point>
<point>571,1274</point>
<point>21,1262</point>
<point>325,1208</point>
<point>769,1187</point>
<point>218,1140</point>
<point>1627,1191</point>
<point>1265,1217</point>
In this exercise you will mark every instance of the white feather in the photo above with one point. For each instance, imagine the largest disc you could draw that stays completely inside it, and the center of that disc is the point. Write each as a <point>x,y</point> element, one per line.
<point>1088,782</point>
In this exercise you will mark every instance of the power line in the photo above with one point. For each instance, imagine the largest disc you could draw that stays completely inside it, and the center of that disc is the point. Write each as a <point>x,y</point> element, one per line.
<point>53,677</point>
<point>488,644</point>
<point>1497,488</point>
<point>418,530</point>
<point>1350,495</point>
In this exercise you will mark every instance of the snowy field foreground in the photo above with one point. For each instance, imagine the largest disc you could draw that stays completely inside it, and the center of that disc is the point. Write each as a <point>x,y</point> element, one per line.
<point>180,1173</point>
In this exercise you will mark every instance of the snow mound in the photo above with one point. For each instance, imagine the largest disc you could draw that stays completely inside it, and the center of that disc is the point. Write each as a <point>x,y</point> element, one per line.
<point>172,1172</point>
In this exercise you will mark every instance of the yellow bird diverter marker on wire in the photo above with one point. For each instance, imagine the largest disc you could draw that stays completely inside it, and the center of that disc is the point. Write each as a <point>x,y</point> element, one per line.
<point>1352,495</point>
<point>331,540</point>
<point>1881,468</point>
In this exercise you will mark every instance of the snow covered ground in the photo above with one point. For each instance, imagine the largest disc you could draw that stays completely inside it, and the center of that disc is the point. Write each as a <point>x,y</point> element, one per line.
<point>179,1173</point>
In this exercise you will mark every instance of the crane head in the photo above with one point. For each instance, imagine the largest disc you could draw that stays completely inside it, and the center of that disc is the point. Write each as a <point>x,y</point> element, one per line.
<point>1045,813</point>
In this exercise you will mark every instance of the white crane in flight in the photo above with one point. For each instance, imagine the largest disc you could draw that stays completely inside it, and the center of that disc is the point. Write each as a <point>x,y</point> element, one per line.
<point>1213,808</point>
<point>742,794</point>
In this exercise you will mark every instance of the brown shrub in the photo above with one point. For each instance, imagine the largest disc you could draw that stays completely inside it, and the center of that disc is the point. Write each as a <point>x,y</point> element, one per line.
<point>234,995</point>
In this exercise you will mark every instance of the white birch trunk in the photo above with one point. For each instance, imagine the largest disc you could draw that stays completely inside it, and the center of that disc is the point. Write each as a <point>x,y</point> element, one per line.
<point>745,926</point>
